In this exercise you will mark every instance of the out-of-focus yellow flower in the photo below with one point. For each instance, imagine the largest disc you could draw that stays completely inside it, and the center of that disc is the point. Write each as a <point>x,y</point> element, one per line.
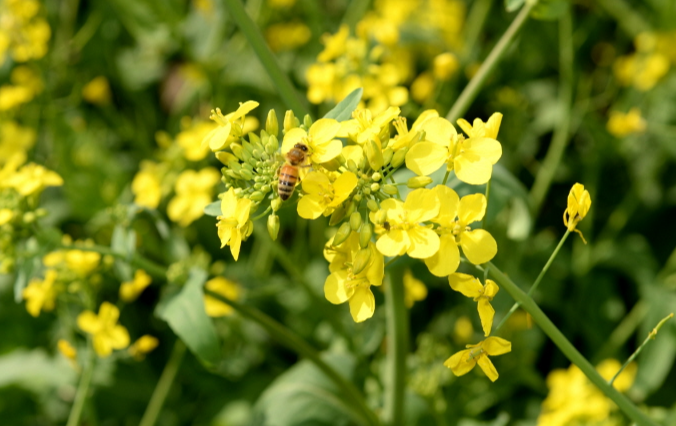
<point>147,184</point>
<point>22,31</point>
<point>334,44</point>
<point>6,215</point>
<point>579,203</point>
<point>194,192</point>
<point>455,216</point>
<point>97,91</point>
<point>234,224</point>
<point>643,71</point>
<point>463,330</point>
<point>401,230</point>
<point>14,140</point>
<point>25,85</point>
<point>323,196</point>
<point>130,290</point>
<point>287,35</point>
<point>226,288</point>
<point>40,295</point>
<point>445,65</point>
<point>230,127</point>
<point>471,287</point>
<point>322,84</point>
<point>66,349</point>
<point>414,289</point>
<point>423,87</point>
<point>32,179</point>
<point>464,361</point>
<point>621,125</point>
<point>320,140</point>
<point>144,345</point>
<point>82,262</point>
<point>190,138</point>
<point>107,333</point>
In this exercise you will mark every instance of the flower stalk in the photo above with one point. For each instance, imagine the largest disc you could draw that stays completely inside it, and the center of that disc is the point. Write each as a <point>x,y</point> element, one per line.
<point>164,384</point>
<point>397,349</point>
<point>83,388</point>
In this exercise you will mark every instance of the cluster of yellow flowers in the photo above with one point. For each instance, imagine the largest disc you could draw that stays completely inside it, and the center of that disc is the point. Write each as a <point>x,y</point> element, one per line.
<point>23,33</point>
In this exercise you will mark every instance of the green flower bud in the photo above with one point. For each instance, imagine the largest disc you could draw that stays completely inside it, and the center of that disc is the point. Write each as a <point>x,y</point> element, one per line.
<point>233,174</point>
<point>419,182</point>
<point>257,153</point>
<point>367,191</point>
<point>246,155</point>
<point>337,215</point>
<point>399,157</point>
<point>273,226</point>
<point>375,187</point>
<point>355,221</point>
<point>342,160</point>
<point>234,165</point>
<point>343,232</point>
<point>237,150</point>
<point>276,203</point>
<point>271,124</point>
<point>247,145</point>
<point>361,260</point>
<point>258,185</point>
<point>246,174</point>
<point>307,121</point>
<point>365,235</point>
<point>352,166</point>
<point>272,146</point>
<point>357,198</point>
<point>266,188</point>
<point>225,157</point>
<point>257,196</point>
<point>376,177</point>
<point>390,189</point>
<point>254,162</point>
<point>290,121</point>
<point>374,154</point>
<point>247,166</point>
<point>351,207</point>
<point>372,205</point>
<point>387,156</point>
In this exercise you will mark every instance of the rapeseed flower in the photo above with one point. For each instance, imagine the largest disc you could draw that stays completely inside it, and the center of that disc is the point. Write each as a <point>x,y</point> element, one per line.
<point>40,294</point>
<point>144,345</point>
<point>66,349</point>
<point>230,127</point>
<point>621,125</point>
<point>464,361</point>
<point>226,288</point>
<point>147,184</point>
<point>483,294</point>
<point>97,91</point>
<point>194,191</point>
<point>414,289</point>
<point>130,290</point>
<point>323,196</point>
<point>82,262</point>
<point>234,224</point>
<point>32,179</point>
<point>106,332</point>
<point>455,216</point>
<point>287,36</point>
<point>190,138</point>
<point>320,140</point>
<point>579,203</point>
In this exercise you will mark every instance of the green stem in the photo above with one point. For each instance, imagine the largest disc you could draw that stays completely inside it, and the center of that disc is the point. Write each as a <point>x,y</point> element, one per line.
<point>448,173</point>
<point>476,19</point>
<point>536,283</point>
<point>568,349</point>
<point>279,78</point>
<point>651,336</point>
<point>488,195</point>
<point>354,12</point>
<point>163,385</point>
<point>630,21</point>
<point>623,331</point>
<point>82,389</point>
<point>297,344</point>
<point>397,349</point>
<point>471,90</point>
<point>550,164</point>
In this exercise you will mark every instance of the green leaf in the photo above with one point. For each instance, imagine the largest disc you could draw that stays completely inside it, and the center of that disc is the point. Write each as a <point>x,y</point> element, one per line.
<point>512,5</point>
<point>187,318</point>
<point>343,111</point>
<point>213,209</point>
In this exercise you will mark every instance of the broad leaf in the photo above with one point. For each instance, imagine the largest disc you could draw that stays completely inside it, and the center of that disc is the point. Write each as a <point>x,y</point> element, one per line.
<point>343,111</point>
<point>213,209</point>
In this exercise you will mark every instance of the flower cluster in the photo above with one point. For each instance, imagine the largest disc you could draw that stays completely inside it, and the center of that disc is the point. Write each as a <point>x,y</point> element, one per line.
<point>24,34</point>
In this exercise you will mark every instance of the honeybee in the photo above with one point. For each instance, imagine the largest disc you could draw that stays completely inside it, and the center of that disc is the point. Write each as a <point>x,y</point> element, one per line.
<point>288,174</point>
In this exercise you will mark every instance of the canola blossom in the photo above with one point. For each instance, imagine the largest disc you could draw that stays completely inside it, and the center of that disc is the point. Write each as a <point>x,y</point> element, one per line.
<point>464,361</point>
<point>107,334</point>
<point>233,223</point>
<point>482,294</point>
<point>579,203</point>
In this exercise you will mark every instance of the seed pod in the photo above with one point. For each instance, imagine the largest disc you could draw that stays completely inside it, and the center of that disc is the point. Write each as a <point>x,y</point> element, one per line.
<point>419,182</point>
<point>390,189</point>
<point>365,235</point>
<point>257,196</point>
<point>343,232</point>
<point>273,226</point>
<point>355,221</point>
<point>399,157</point>
<point>361,260</point>
<point>271,123</point>
<point>372,205</point>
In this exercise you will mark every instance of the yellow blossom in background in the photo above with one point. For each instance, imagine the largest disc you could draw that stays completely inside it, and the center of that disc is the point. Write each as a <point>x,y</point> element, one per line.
<point>643,71</point>
<point>323,196</point>
<point>423,87</point>
<point>579,203</point>
<point>483,294</point>
<point>353,271</point>
<point>226,288</point>
<point>445,65</point>
<point>82,262</point>
<point>40,295</point>
<point>230,127</point>
<point>6,215</point>
<point>463,329</point>
<point>66,349</point>
<point>22,31</point>
<point>191,137</point>
<point>287,36</point>
<point>26,84</point>
<point>144,345</point>
<point>621,125</point>
<point>97,91</point>
<point>320,140</point>
<point>414,289</point>
<point>281,4</point>
<point>334,44</point>
<point>234,224</point>
<point>194,191</point>
<point>322,83</point>
<point>455,216</point>
<point>130,290</point>
<point>106,332</point>
<point>401,230</point>
<point>15,140</point>
<point>464,361</point>
<point>147,184</point>
<point>32,179</point>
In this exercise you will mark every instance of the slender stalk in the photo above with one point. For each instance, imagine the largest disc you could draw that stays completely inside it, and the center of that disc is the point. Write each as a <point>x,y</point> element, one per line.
<point>630,21</point>
<point>397,349</point>
<point>651,336</point>
<point>163,385</point>
<point>448,173</point>
<point>301,347</point>
<point>476,19</point>
<point>488,196</point>
<point>279,78</point>
<point>471,90</point>
<point>550,164</point>
<point>568,349</point>
<point>82,389</point>
<point>536,283</point>
<point>623,331</point>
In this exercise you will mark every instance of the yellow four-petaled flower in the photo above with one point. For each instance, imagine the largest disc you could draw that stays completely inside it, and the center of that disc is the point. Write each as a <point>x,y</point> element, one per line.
<point>464,361</point>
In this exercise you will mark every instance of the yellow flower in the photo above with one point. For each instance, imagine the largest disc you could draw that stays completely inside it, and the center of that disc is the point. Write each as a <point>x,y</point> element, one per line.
<point>621,125</point>
<point>22,31</point>
<point>641,70</point>
<point>107,334</point>
<point>32,179</point>
<point>82,262</point>
<point>97,91</point>
<point>472,159</point>
<point>478,245</point>
<point>144,345</point>
<point>464,361</point>
<point>414,289</point>
<point>66,349</point>
<point>193,193</point>
<point>401,230</point>
<point>287,35</point>
<point>406,138</point>
<point>579,203</point>
<point>190,139</point>
<point>322,196</point>
<point>6,215</point>
<point>130,290</point>
<point>334,44</point>
<point>346,283</point>
<point>230,127</point>
<point>25,85</point>
<point>40,295</point>
<point>471,287</point>
<point>320,140</point>
<point>14,140</point>
<point>234,224</point>
<point>226,288</point>
<point>423,87</point>
<point>147,185</point>
<point>480,129</point>
<point>322,82</point>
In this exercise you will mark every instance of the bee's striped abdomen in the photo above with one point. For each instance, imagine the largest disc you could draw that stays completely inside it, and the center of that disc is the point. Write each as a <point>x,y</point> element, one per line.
<point>288,176</point>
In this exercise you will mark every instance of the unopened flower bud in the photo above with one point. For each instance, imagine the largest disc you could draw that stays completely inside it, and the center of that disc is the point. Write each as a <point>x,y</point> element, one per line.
<point>399,157</point>
<point>225,157</point>
<point>352,166</point>
<point>419,182</point>
<point>375,187</point>
<point>290,121</point>
<point>271,123</point>
<point>248,145</point>
<point>337,215</point>
<point>307,121</point>
<point>374,154</point>
<point>273,226</point>
<point>376,177</point>
<point>276,203</point>
<point>372,205</point>
<point>351,207</point>
<point>361,260</point>
<point>390,189</point>
<point>257,196</point>
<point>355,221</point>
<point>365,235</point>
<point>387,156</point>
<point>342,234</point>
<point>246,174</point>
<point>237,150</point>
<point>357,198</point>
<point>272,146</point>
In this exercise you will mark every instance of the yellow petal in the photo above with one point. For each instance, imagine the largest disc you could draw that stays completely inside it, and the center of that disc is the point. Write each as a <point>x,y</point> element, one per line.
<point>215,308</point>
<point>235,243</point>
<point>424,243</point>
<point>488,368</point>
<point>88,322</point>
<point>243,209</point>
<point>448,205</point>
<point>108,313</point>
<point>218,138</point>
<point>324,130</point>
<point>478,246</point>
<point>493,125</point>
<point>362,304</point>
<point>335,289</point>
<point>490,289</point>
<point>327,151</point>
<point>422,205</point>
<point>446,260</point>
<point>229,204</point>
<point>119,337</point>
<point>466,284</point>
<point>311,207</point>
<point>486,148</point>
<point>460,363</point>
<point>496,346</point>
<point>316,182</point>
<point>102,345</point>
<point>343,187</point>
<point>486,313</point>
<point>473,170</point>
<point>393,243</point>
<point>425,158</point>
<point>471,209</point>
<point>376,268</point>
<point>291,138</point>
<point>439,131</point>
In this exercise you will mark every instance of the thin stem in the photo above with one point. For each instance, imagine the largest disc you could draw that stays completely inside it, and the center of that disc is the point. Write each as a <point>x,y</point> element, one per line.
<point>82,389</point>
<point>550,164</point>
<point>568,349</point>
<point>448,173</point>
<point>624,330</point>
<point>163,385</point>
<point>279,78</point>
<point>471,90</point>
<point>397,349</point>
<point>630,21</point>
<point>297,344</point>
<point>488,195</point>
<point>651,336</point>
<point>476,19</point>
<point>537,281</point>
